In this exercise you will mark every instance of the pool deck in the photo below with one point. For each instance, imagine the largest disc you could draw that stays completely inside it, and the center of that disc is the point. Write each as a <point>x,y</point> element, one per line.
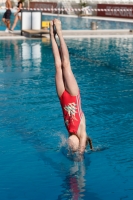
<point>126,33</point>
<point>97,33</point>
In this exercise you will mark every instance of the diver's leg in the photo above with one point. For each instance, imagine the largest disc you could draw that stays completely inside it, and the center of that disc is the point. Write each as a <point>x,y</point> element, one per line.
<point>69,79</point>
<point>58,65</point>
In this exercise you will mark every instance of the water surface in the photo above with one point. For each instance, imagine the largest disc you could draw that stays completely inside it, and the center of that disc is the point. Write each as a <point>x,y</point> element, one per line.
<point>32,130</point>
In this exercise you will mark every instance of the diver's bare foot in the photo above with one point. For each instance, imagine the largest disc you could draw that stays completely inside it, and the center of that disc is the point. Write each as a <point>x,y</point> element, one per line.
<point>57,24</point>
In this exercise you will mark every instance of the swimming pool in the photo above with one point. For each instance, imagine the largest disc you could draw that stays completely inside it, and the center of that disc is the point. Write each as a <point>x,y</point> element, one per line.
<point>32,131</point>
<point>78,23</point>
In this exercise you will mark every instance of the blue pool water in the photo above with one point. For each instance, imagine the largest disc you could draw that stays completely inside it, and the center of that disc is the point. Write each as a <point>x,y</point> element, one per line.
<point>78,23</point>
<point>32,132</point>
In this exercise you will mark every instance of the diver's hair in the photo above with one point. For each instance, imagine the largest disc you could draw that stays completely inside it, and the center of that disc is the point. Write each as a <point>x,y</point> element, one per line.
<point>89,141</point>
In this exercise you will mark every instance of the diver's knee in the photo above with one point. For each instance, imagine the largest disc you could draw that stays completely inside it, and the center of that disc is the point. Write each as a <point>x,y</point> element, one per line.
<point>58,64</point>
<point>65,63</point>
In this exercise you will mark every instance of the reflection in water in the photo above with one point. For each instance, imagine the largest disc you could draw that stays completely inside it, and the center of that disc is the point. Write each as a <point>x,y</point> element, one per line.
<point>20,54</point>
<point>31,54</point>
<point>36,54</point>
<point>6,55</point>
<point>74,183</point>
<point>73,178</point>
<point>26,51</point>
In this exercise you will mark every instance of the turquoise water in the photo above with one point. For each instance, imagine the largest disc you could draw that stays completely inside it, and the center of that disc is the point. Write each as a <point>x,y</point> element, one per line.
<point>77,23</point>
<point>32,132</point>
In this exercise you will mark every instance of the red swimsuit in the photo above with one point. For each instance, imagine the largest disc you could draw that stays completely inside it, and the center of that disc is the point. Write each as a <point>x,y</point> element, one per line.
<point>71,107</point>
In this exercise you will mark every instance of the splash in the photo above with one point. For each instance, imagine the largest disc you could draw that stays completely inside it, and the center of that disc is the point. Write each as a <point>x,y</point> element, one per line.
<point>97,148</point>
